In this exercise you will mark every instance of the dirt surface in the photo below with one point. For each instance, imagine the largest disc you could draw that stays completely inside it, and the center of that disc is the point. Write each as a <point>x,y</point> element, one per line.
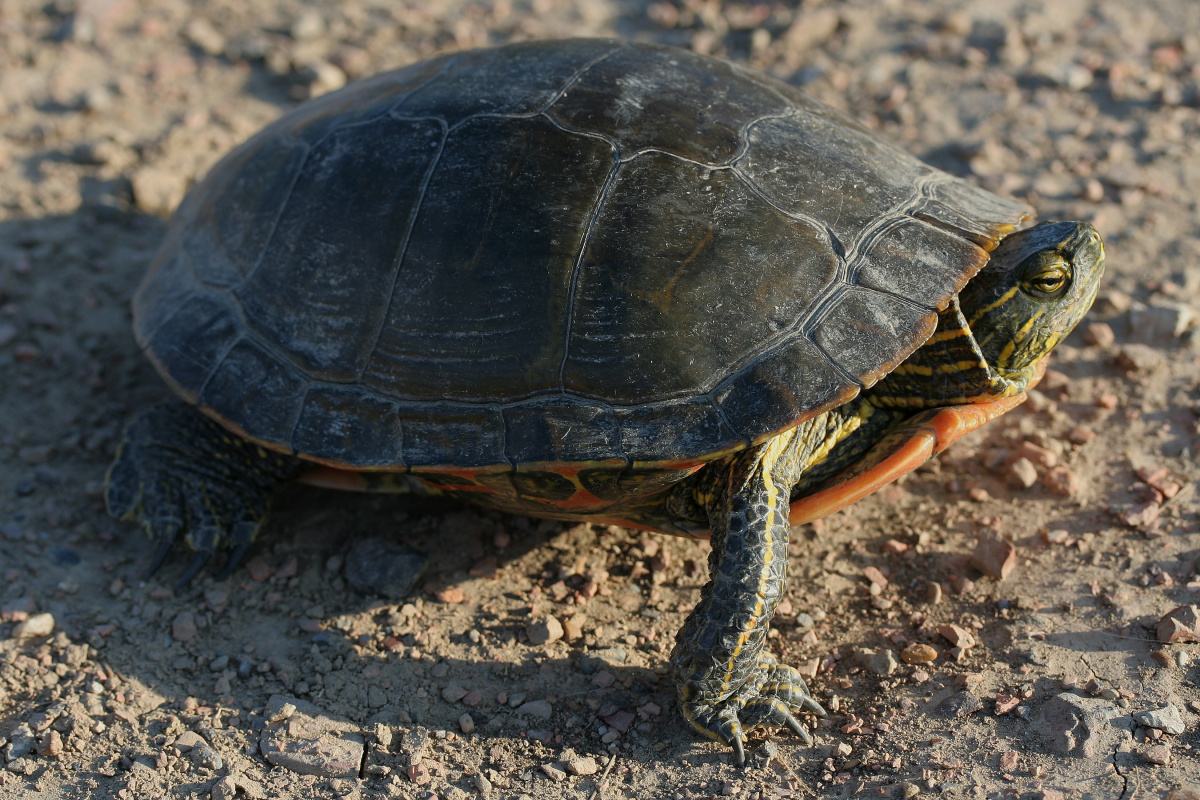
<point>283,681</point>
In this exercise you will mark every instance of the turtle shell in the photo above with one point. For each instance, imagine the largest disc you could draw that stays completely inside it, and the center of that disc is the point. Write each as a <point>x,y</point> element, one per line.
<point>555,253</point>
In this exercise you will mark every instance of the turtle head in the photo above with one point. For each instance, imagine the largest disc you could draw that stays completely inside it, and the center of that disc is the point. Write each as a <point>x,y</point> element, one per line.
<point>1035,289</point>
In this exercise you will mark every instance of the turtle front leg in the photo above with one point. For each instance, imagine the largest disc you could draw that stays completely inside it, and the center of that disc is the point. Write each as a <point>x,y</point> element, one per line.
<point>178,472</point>
<point>728,683</point>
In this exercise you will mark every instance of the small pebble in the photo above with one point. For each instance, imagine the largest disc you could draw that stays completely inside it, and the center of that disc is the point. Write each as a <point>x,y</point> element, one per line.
<point>933,592</point>
<point>1057,536</point>
<point>554,773</point>
<point>918,654</point>
<point>1080,435</point>
<point>183,627</point>
<point>585,765</point>
<point>1099,334</point>
<point>544,631</point>
<point>1023,473</point>
<point>51,745</point>
<point>35,626</point>
<point>1159,754</point>
<point>1061,481</point>
<point>466,723</point>
<point>1040,456</point>
<point>994,557</point>
<point>957,636</point>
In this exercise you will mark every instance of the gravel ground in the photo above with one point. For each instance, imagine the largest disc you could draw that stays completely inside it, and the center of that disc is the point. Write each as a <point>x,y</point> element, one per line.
<point>1037,563</point>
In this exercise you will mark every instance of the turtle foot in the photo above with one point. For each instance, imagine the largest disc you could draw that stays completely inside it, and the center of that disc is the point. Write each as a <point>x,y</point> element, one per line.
<point>183,476</point>
<point>772,698</point>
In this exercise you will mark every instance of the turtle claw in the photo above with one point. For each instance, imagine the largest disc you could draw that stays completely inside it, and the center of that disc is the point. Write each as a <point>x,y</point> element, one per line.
<point>234,561</point>
<point>193,570</point>
<point>771,698</point>
<point>739,751</point>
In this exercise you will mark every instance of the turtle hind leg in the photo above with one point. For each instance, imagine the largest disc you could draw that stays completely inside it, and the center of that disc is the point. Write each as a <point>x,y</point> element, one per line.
<point>179,474</point>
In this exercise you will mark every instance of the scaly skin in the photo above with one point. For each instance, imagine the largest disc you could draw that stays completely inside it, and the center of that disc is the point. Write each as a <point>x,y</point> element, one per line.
<point>178,472</point>
<point>728,684</point>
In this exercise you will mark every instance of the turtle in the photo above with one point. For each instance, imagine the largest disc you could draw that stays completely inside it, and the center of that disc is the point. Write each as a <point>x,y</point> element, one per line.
<point>588,280</point>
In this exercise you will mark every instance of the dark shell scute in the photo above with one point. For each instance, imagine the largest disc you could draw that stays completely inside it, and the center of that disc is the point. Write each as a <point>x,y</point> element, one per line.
<point>695,425</point>
<point>695,256</point>
<point>464,315</point>
<point>866,328</point>
<point>563,432</point>
<point>436,435</point>
<point>821,170</point>
<point>905,259</point>
<point>226,240</point>
<point>516,81</point>
<point>256,391</point>
<point>966,210</point>
<point>319,264</point>
<point>767,397</point>
<point>193,340</point>
<point>335,420</point>
<point>643,98</point>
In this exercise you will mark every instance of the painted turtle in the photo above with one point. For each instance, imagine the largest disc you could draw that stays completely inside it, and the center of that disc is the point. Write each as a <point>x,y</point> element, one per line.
<point>588,280</point>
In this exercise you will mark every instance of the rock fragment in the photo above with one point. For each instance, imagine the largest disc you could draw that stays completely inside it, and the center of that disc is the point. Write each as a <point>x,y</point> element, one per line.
<point>1023,473</point>
<point>918,653</point>
<point>1181,624</point>
<point>183,627</point>
<point>157,191</point>
<point>311,741</point>
<point>36,625</point>
<point>881,662</point>
<point>1099,334</point>
<point>544,631</point>
<point>958,705</point>
<point>957,636</point>
<point>554,773</point>
<point>583,765</point>
<point>382,567</point>
<point>1157,754</point>
<point>536,708</point>
<point>1166,719</point>
<point>994,557</point>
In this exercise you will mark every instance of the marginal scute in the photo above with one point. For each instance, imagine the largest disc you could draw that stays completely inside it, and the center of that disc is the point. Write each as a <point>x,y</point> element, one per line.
<point>189,344</point>
<point>770,396</point>
<point>452,434</point>
<point>257,392</point>
<point>972,212</point>
<point>691,427</point>
<point>868,333</point>
<point>335,420</point>
<point>908,261</point>
<point>562,432</point>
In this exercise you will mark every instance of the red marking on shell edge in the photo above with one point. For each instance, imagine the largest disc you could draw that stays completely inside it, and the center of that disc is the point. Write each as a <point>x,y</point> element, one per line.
<point>946,426</point>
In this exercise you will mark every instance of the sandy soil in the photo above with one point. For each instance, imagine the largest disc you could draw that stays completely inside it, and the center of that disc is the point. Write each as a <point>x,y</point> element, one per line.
<point>1090,110</point>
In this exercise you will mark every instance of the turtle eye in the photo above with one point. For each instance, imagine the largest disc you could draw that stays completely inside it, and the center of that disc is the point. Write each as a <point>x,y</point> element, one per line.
<point>1047,276</point>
